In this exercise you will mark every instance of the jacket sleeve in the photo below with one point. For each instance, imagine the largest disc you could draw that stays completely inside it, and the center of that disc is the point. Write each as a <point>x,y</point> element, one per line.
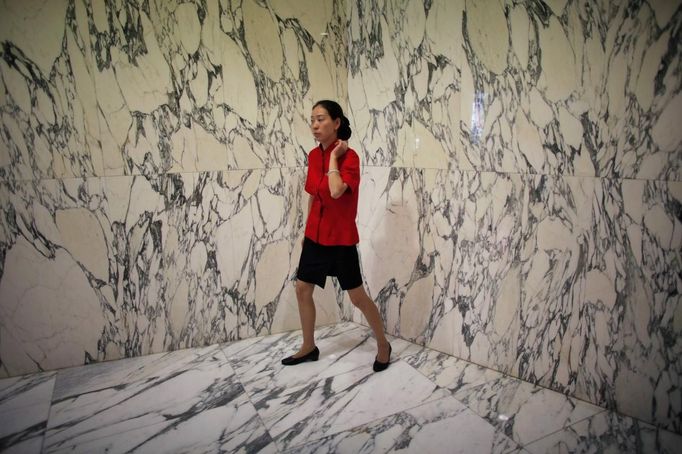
<point>310,183</point>
<point>350,170</point>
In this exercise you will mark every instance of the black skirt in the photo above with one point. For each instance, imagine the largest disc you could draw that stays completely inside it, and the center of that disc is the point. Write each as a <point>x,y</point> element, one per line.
<point>318,261</point>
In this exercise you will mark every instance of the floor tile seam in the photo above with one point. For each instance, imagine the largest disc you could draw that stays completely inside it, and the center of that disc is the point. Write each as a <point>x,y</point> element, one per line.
<point>247,394</point>
<point>230,365</point>
<point>49,410</point>
<point>562,429</point>
<point>258,415</point>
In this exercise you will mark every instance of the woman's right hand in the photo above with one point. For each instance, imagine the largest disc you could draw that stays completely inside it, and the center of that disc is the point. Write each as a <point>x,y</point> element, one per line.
<point>340,149</point>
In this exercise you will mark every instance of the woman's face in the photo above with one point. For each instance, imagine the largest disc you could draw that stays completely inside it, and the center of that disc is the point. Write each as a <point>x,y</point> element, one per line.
<point>323,127</point>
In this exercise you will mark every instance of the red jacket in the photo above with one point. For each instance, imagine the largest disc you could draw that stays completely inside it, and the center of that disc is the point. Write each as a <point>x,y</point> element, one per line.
<point>331,222</point>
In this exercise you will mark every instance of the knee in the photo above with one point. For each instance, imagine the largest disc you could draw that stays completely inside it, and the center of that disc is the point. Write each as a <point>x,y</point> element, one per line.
<point>357,299</point>
<point>304,291</point>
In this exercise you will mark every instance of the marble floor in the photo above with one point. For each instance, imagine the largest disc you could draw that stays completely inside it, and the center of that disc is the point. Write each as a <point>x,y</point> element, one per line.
<point>237,397</point>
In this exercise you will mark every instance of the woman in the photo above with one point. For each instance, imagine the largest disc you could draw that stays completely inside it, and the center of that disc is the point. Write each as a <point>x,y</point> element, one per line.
<point>331,236</point>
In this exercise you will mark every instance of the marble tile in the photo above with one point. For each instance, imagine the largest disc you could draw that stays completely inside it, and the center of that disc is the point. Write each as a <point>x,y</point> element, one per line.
<point>526,217</point>
<point>441,257</point>
<point>484,246</point>
<point>259,246</point>
<point>327,406</point>
<point>600,265</point>
<point>454,374</point>
<point>28,446</point>
<point>232,427</point>
<point>23,430</point>
<point>522,411</point>
<point>168,87</point>
<point>442,426</point>
<point>396,251</point>
<point>24,410</point>
<point>125,249</point>
<point>643,362</point>
<point>608,433</point>
<point>27,391</point>
<point>162,393</point>
<point>562,252</point>
<point>120,252</point>
<point>538,94</point>
<point>404,82</point>
<point>50,112</point>
<point>344,347</point>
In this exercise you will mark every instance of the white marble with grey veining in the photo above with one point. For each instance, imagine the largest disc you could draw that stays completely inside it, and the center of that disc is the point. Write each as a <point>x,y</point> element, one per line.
<point>24,409</point>
<point>237,397</point>
<point>151,170</point>
<point>519,409</point>
<point>154,403</point>
<point>550,250</point>
<point>150,266</point>
<point>520,198</point>
<point>442,426</point>
<point>608,432</point>
<point>344,348</point>
<point>326,406</point>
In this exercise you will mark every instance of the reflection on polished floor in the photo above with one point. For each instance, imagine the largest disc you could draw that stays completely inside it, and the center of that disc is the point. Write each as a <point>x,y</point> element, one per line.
<point>237,397</point>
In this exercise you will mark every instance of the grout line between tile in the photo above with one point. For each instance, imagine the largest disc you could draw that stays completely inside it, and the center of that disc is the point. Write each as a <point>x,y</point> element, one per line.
<point>248,397</point>
<point>49,411</point>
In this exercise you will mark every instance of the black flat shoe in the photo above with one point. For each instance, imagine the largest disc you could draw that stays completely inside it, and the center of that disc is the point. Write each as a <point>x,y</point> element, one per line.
<point>312,356</point>
<point>379,366</point>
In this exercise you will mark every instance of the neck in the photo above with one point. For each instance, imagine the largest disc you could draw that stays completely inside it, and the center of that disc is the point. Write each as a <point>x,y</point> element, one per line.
<point>328,143</point>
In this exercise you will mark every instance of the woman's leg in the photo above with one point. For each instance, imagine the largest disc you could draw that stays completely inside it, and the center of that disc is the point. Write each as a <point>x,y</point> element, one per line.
<point>362,301</point>
<point>306,310</point>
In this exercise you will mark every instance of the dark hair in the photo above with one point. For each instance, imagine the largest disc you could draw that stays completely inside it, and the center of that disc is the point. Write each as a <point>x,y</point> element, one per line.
<point>335,111</point>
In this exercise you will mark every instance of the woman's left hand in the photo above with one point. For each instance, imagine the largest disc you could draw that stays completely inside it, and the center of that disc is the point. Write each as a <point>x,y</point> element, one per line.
<point>340,149</point>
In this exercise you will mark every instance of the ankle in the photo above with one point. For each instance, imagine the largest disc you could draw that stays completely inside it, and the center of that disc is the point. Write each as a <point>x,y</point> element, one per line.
<point>305,348</point>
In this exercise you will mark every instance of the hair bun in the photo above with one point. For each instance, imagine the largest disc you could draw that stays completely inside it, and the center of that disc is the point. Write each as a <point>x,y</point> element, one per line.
<point>344,131</point>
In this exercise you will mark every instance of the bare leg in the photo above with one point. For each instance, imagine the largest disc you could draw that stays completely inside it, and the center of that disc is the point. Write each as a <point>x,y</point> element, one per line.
<point>362,301</point>
<point>306,311</point>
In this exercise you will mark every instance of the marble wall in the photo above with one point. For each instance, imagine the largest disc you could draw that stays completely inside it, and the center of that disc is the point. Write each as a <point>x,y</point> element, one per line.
<point>152,159</point>
<point>521,191</point>
<point>522,198</point>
